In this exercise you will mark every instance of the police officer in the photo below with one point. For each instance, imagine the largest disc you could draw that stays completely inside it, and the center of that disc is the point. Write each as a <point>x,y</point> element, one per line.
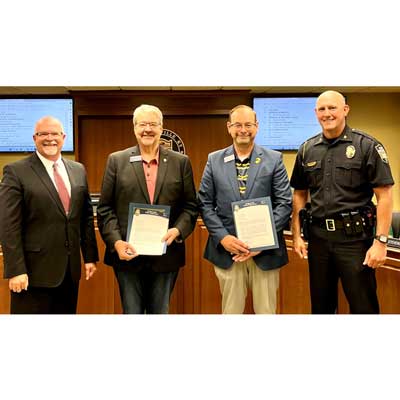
<point>341,169</point>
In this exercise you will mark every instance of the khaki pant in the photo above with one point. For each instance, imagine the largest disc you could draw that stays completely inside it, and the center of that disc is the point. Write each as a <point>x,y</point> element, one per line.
<point>235,281</point>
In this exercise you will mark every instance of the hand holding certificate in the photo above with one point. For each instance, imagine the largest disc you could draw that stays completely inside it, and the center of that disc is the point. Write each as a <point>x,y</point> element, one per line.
<point>147,226</point>
<point>254,222</point>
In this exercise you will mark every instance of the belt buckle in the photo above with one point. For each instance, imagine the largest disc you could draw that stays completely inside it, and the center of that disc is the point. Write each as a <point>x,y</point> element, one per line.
<point>330,225</point>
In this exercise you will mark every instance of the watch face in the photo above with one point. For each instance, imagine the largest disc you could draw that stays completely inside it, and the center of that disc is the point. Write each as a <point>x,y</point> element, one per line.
<point>382,238</point>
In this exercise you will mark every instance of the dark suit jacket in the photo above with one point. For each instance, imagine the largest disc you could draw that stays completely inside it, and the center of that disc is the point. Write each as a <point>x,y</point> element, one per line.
<point>219,188</point>
<point>37,237</point>
<point>124,182</point>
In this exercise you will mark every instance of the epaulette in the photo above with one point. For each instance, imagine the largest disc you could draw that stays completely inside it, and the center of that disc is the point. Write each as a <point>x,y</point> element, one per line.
<point>359,132</point>
<point>313,137</point>
<point>304,145</point>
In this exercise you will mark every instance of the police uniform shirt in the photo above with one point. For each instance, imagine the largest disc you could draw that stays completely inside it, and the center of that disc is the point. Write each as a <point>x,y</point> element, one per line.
<point>342,173</point>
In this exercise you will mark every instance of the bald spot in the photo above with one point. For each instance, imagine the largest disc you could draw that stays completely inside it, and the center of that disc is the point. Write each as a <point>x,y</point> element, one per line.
<point>48,120</point>
<point>331,96</point>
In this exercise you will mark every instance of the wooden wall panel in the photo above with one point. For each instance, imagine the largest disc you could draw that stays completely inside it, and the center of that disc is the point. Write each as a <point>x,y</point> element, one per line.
<point>294,288</point>
<point>98,293</point>
<point>182,296</point>
<point>388,290</point>
<point>209,292</point>
<point>343,305</point>
<point>98,138</point>
<point>201,136</point>
<point>215,102</point>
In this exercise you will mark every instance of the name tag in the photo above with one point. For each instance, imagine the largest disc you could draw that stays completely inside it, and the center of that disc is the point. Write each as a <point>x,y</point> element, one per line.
<point>135,158</point>
<point>229,158</point>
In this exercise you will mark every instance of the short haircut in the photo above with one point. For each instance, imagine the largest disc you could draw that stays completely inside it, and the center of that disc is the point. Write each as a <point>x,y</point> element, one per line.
<point>147,108</point>
<point>239,107</point>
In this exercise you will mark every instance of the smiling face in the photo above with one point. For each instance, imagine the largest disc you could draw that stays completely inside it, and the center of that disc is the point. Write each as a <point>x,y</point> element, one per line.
<point>49,138</point>
<point>331,110</point>
<point>148,129</point>
<point>243,127</point>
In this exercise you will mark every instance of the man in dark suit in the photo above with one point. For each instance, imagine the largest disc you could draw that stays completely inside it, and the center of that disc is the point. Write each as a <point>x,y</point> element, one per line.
<point>239,172</point>
<point>46,216</point>
<point>146,174</point>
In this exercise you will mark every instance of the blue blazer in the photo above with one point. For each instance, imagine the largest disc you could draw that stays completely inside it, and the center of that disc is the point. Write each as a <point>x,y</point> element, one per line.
<point>267,176</point>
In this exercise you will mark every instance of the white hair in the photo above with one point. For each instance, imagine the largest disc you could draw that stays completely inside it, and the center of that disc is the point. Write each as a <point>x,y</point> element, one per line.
<point>147,108</point>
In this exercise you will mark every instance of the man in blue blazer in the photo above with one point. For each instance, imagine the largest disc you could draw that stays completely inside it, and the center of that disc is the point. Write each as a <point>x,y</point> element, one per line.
<point>239,172</point>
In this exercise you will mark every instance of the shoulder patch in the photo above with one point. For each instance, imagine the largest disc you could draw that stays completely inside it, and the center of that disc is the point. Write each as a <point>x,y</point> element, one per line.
<point>382,153</point>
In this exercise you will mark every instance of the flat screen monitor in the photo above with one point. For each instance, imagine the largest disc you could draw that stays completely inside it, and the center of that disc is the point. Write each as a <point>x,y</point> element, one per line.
<point>19,115</point>
<point>285,122</point>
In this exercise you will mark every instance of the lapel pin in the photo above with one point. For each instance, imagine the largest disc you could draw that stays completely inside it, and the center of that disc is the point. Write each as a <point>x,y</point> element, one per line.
<point>165,160</point>
<point>257,161</point>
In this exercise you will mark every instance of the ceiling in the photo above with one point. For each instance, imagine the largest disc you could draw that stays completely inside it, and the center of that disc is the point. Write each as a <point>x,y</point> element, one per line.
<point>43,90</point>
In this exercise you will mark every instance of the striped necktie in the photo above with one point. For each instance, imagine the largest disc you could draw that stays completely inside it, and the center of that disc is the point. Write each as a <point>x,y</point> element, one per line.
<point>62,189</point>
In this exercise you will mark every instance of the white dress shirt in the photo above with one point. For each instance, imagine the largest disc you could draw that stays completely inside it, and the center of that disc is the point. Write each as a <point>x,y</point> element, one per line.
<point>48,164</point>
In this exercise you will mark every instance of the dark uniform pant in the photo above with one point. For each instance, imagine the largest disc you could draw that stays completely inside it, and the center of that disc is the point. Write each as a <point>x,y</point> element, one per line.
<point>331,260</point>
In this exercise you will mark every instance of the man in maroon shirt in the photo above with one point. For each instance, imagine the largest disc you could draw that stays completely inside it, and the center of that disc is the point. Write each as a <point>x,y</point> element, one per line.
<point>147,174</point>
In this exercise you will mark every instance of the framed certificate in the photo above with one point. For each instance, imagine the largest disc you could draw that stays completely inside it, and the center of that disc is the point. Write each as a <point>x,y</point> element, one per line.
<point>254,223</point>
<point>147,224</point>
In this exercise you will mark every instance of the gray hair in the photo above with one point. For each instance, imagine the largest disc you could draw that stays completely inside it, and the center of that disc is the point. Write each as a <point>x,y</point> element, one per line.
<point>147,108</point>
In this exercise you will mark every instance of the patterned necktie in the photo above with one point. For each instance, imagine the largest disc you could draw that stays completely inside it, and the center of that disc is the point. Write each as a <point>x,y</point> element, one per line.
<point>62,189</point>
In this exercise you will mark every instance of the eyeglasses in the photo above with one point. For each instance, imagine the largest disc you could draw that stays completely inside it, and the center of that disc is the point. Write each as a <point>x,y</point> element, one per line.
<point>143,125</point>
<point>51,134</point>
<point>247,125</point>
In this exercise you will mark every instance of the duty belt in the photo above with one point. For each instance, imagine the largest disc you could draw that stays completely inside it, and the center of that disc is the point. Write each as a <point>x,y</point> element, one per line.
<point>330,224</point>
<point>333,224</point>
<point>353,223</point>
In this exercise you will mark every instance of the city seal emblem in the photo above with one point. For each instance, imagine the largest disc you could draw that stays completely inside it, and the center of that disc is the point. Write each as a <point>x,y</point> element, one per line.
<point>170,140</point>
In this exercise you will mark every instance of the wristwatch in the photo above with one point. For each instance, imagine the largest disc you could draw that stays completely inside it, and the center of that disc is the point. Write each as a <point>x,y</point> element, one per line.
<point>382,238</point>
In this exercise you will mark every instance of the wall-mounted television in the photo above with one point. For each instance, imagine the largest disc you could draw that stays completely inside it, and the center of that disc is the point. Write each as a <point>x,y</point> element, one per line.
<point>19,115</point>
<point>285,122</point>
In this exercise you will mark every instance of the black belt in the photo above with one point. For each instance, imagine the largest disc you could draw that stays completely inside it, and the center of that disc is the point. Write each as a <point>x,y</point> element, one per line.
<point>329,224</point>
